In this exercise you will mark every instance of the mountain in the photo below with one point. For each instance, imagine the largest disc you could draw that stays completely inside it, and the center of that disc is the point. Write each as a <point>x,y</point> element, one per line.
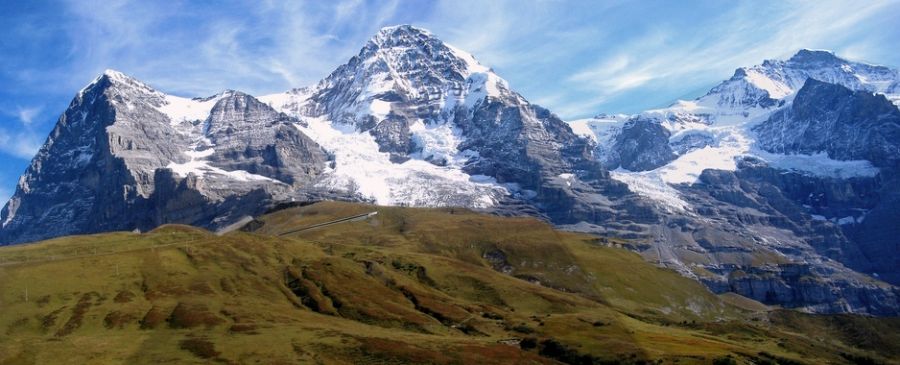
<point>770,179</point>
<point>406,286</point>
<point>125,156</point>
<point>449,130</point>
<point>411,120</point>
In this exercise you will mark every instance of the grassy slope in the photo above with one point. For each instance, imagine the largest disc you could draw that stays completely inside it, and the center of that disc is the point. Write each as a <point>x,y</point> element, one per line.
<point>408,286</point>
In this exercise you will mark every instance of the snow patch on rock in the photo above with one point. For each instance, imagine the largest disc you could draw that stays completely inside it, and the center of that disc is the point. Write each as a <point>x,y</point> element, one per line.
<point>198,166</point>
<point>439,142</point>
<point>180,109</point>
<point>819,165</point>
<point>360,167</point>
<point>601,129</point>
<point>651,185</point>
<point>380,109</point>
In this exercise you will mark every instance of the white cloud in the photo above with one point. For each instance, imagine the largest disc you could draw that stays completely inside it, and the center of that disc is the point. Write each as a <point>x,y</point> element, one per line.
<point>21,133</point>
<point>26,114</point>
<point>609,67</point>
<point>22,144</point>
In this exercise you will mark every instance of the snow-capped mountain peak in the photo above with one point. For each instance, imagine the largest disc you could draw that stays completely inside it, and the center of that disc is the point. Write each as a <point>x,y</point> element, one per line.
<point>714,130</point>
<point>130,91</point>
<point>114,79</point>
<point>783,78</point>
<point>756,91</point>
<point>411,104</point>
<point>405,37</point>
<point>415,64</point>
<point>400,36</point>
<point>119,76</point>
<point>399,65</point>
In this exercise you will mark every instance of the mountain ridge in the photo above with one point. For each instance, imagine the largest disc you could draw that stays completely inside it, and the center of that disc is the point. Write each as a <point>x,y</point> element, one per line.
<point>411,120</point>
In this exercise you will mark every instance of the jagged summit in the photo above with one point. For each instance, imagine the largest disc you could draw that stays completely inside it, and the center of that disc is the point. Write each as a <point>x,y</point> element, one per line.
<point>125,156</point>
<point>406,46</point>
<point>111,77</point>
<point>120,78</point>
<point>400,35</point>
<point>756,90</point>
<point>389,29</point>
<point>815,57</point>
<point>175,107</point>
<point>406,36</point>
<point>401,68</point>
<point>116,74</point>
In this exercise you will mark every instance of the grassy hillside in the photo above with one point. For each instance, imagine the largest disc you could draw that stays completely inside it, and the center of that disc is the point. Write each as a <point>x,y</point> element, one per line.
<point>442,286</point>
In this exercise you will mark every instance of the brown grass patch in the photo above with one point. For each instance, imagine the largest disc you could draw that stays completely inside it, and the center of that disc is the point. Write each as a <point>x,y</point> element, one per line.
<point>308,292</point>
<point>351,292</point>
<point>124,296</point>
<point>192,315</point>
<point>49,320</point>
<point>227,286</point>
<point>200,347</point>
<point>373,350</point>
<point>201,287</point>
<point>499,354</point>
<point>118,320</point>
<point>42,301</point>
<point>244,328</point>
<point>162,290</point>
<point>74,322</point>
<point>154,317</point>
<point>379,350</point>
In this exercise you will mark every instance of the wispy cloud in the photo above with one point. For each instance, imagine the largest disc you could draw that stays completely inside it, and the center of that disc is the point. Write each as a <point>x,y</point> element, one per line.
<point>22,143</point>
<point>268,47</point>
<point>18,137</point>
<point>591,53</point>
<point>26,114</point>
<point>672,58</point>
<point>579,57</point>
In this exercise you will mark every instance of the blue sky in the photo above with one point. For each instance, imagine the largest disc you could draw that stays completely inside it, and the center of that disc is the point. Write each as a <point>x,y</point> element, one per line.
<point>578,58</point>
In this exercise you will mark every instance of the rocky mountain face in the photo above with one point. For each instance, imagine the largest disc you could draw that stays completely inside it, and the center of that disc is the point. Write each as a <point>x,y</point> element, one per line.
<point>124,156</point>
<point>830,118</point>
<point>248,135</point>
<point>642,144</point>
<point>848,125</point>
<point>711,187</point>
